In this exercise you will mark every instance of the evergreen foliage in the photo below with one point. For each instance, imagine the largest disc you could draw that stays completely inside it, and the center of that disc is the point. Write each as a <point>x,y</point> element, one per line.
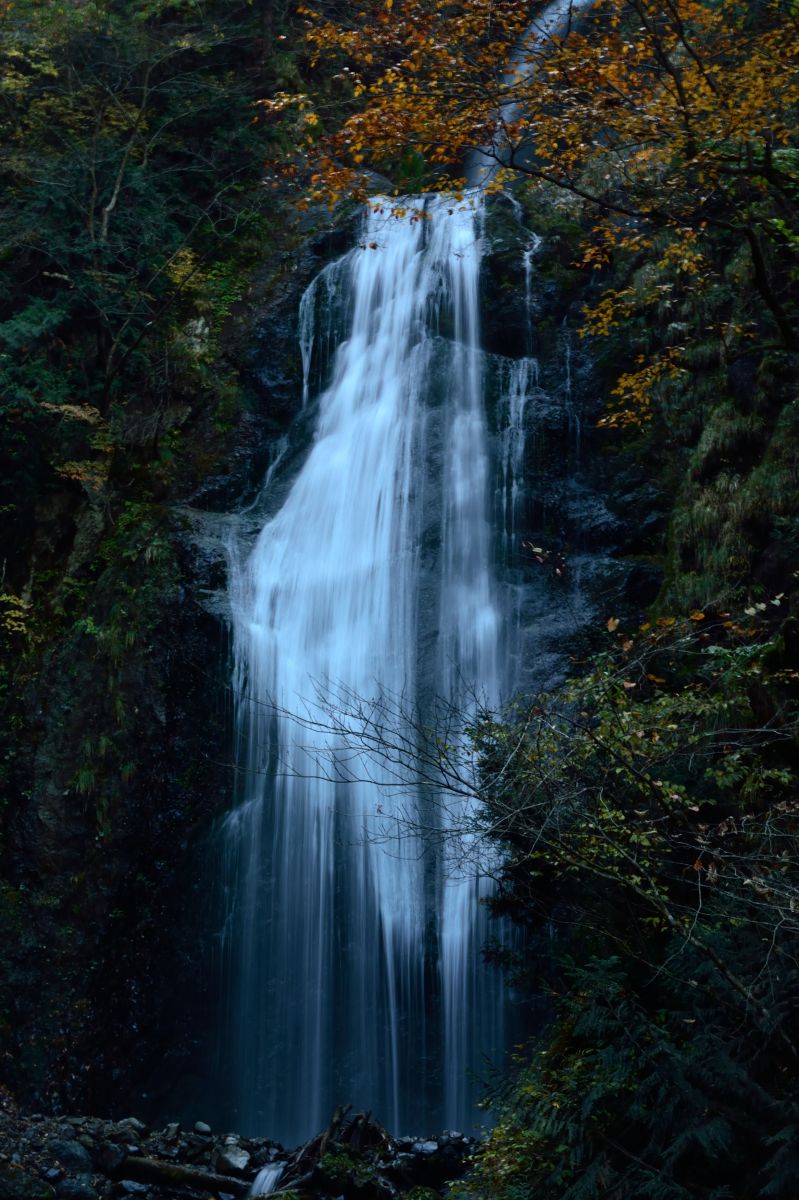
<point>130,169</point>
<point>132,213</point>
<point>650,813</point>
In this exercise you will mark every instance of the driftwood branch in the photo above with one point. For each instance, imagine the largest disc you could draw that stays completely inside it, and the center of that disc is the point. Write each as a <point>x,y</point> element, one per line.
<point>170,1174</point>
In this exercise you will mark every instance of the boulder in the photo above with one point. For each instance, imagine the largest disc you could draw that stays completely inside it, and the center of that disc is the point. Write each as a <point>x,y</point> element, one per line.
<point>231,1160</point>
<point>72,1155</point>
<point>76,1187</point>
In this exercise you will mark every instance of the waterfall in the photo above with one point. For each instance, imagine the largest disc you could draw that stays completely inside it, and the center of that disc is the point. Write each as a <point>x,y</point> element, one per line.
<point>353,940</point>
<point>267,1179</point>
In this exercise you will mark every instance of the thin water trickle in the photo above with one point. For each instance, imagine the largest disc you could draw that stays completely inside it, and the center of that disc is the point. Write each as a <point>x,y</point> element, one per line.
<point>520,377</point>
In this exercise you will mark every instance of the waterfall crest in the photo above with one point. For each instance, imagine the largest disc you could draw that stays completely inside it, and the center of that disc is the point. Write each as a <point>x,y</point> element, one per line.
<point>352,944</point>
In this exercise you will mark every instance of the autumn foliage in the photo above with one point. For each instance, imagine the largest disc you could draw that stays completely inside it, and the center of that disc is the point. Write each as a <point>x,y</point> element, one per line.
<point>674,122</point>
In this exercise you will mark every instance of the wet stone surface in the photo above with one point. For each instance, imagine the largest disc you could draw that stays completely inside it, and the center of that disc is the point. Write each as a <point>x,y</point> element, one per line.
<point>87,1158</point>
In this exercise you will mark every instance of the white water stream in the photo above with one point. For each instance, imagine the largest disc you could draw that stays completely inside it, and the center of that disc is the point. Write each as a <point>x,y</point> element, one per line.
<point>353,938</point>
<point>267,1179</point>
<point>354,946</point>
<point>552,22</point>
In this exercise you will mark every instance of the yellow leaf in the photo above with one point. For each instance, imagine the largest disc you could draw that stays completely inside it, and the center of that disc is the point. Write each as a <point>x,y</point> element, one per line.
<point>613,624</point>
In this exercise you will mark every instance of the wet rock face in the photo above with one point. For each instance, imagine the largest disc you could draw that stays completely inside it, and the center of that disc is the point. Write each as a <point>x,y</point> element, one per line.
<point>103,913</point>
<point>570,509</point>
<point>265,346</point>
<point>84,1158</point>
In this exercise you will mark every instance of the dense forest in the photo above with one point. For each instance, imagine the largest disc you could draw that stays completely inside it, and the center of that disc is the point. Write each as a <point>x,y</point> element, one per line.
<point>173,176</point>
<point>134,221</point>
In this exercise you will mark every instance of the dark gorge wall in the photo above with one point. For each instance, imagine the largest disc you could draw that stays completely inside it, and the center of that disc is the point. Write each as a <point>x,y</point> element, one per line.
<point>120,745</point>
<point>117,739</point>
<point>591,515</point>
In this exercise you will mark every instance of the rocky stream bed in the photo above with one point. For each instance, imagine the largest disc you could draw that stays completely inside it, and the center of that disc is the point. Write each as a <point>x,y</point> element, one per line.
<point>87,1158</point>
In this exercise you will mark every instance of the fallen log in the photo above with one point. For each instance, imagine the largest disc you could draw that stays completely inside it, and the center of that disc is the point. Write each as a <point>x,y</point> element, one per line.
<point>170,1174</point>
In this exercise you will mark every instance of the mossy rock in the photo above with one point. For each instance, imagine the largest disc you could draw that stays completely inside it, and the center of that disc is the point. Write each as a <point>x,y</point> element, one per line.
<point>15,1184</point>
<point>338,1167</point>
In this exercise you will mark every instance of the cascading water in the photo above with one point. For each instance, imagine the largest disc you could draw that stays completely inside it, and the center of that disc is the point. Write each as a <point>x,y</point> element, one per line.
<point>267,1179</point>
<point>389,576</point>
<point>353,944</point>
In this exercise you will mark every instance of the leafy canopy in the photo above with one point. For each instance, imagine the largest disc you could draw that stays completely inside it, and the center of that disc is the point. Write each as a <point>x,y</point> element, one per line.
<point>674,121</point>
<point>648,811</point>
